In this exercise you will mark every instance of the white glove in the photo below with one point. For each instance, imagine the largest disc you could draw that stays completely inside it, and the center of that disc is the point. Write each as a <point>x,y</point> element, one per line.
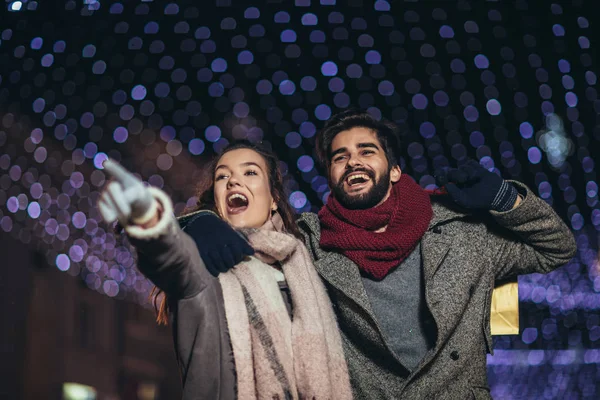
<point>125,198</point>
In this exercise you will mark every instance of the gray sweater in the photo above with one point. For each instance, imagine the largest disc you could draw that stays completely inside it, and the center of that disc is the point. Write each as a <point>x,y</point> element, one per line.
<point>398,301</point>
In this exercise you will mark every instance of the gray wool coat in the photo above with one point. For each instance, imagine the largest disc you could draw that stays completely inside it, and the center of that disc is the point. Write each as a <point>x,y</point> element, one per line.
<point>463,254</point>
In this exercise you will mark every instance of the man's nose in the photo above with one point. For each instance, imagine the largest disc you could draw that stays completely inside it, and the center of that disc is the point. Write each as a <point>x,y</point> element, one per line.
<point>353,161</point>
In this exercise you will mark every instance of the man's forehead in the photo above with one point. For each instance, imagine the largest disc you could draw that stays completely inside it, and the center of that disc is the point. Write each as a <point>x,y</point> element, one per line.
<point>355,137</point>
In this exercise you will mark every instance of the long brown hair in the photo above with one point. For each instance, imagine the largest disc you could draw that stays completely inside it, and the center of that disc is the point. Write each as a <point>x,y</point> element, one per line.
<point>206,201</point>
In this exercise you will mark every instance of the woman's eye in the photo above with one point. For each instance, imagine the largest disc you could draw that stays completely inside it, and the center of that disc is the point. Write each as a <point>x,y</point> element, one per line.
<point>251,172</point>
<point>219,177</point>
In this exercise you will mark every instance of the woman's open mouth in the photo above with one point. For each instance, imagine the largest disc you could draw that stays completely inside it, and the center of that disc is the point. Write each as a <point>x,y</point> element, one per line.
<point>237,203</point>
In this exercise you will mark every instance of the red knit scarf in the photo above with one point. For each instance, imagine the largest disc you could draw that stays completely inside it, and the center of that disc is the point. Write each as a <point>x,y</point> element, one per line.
<point>407,213</point>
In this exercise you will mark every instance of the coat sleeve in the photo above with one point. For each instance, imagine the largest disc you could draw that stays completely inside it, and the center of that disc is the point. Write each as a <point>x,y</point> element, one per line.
<point>168,256</point>
<point>535,238</point>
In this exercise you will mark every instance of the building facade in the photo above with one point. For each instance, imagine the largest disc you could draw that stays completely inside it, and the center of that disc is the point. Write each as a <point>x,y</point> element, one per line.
<point>63,341</point>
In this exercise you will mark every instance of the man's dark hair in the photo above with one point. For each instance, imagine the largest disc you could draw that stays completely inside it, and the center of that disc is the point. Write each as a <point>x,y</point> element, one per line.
<point>387,134</point>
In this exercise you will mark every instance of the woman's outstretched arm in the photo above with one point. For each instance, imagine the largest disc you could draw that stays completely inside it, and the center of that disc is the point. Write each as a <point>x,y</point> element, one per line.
<point>167,256</point>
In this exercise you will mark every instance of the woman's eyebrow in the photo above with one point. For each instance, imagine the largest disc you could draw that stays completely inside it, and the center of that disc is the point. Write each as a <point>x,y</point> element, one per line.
<point>246,164</point>
<point>250,163</point>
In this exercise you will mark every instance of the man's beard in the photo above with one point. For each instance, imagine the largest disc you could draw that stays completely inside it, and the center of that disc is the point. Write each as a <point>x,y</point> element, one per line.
<point>365,200</point>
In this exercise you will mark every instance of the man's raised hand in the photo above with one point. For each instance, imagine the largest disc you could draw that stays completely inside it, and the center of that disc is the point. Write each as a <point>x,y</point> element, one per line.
<point>473,186</point>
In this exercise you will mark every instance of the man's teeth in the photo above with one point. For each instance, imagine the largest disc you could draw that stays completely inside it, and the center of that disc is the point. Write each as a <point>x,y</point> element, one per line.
<point>237,196</point>
<point>365,177</point>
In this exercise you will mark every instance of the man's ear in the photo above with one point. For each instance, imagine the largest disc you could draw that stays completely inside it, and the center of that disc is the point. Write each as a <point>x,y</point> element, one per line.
<point>395,174</point>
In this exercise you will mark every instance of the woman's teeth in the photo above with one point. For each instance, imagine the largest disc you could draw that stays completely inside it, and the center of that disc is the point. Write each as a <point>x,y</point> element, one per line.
<point>237,200</point>
<point>238,196</point>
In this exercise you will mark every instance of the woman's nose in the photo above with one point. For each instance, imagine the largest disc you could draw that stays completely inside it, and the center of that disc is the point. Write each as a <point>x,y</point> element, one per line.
<point>233,181</point>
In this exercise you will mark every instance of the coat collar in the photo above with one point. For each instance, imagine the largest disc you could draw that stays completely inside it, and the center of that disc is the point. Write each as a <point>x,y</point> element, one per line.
<point>336,269</point>
<point>445,211</point>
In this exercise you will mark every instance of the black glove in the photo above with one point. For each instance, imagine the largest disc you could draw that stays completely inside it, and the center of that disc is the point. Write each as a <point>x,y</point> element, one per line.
<point>474,187</point>
<point>220,246</point>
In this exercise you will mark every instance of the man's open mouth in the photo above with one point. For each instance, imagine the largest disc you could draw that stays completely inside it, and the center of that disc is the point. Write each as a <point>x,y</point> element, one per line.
<point>357,179</point>
<point>237,203</point>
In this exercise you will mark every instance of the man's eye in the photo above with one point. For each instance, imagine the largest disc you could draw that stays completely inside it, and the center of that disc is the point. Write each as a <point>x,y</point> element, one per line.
<point>368,152</point>
<point>339,158</point>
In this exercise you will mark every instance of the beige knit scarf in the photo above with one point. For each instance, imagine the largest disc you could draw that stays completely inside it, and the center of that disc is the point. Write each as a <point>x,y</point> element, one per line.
<point>275,357</point>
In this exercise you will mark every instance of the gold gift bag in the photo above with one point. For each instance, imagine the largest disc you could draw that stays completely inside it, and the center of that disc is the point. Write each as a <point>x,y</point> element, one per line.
<point>504,318</point>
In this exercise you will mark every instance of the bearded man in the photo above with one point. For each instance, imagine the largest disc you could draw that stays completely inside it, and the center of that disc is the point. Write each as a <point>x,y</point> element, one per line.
<point>411,274</point>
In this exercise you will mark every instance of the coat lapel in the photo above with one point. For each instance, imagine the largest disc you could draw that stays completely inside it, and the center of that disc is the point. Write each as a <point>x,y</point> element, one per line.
<point>435,244</point>
<point>334,268</point>
<point>434,247</point>
<point>344,275</point>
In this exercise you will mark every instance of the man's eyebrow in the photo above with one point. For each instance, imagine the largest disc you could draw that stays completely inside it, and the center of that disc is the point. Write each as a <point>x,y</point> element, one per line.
<point>338,151</point>
<point>360,146</point>
<point>368,145</point>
